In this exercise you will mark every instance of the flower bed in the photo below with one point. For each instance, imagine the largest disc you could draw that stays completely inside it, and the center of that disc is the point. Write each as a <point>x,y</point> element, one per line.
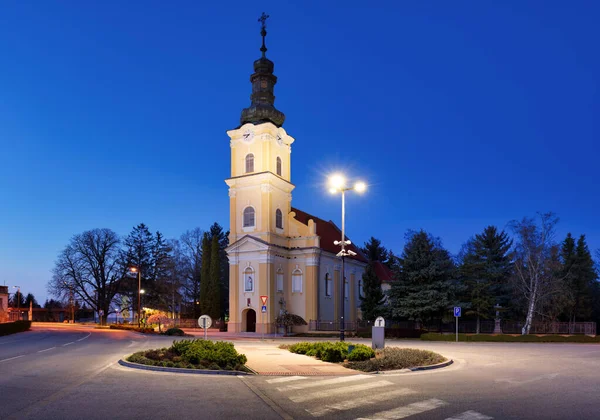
<point>393,358</point>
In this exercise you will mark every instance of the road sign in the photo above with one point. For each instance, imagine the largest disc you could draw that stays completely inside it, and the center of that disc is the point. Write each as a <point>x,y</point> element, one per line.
<point>264,299</point>
<point>264,309</point>
<point>204,321</point>
<point>457,311</point>
<point>380,322</point>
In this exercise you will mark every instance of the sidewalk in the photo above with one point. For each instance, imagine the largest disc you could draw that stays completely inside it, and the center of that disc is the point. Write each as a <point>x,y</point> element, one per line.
<point>269,359</point>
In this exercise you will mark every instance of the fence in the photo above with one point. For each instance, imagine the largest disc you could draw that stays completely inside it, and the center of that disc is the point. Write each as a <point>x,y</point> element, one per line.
<point>468,327</point>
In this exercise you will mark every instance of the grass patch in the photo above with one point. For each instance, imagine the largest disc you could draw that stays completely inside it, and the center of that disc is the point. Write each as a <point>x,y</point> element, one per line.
<point>328,351</point>
<point>503,338</point>
<point>194,354</point>
<point>393,358</point>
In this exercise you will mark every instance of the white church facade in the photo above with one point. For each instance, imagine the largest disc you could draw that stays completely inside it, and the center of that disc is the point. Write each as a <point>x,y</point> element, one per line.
<point>275,249</point>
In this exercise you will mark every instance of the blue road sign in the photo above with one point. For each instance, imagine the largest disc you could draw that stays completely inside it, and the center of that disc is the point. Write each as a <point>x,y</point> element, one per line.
<point>457,311</point>
<point>264,309</point>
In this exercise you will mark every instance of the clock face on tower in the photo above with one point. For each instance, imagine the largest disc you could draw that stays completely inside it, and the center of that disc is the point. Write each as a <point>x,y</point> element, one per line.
<point>248,135</point>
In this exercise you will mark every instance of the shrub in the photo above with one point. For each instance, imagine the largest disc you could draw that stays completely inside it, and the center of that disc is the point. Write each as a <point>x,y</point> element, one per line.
<point>175,331</point>
<point>360,353</point>
<point>392,358</point>
<point>135,328</point>
<point>14,327</point>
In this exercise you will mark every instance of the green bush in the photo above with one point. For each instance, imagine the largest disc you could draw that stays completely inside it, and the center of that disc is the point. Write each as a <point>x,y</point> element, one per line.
<point>175,331</point>
<point>360,353</point>
<point>14,327</point>
<point>393,358</point>
<point>530,338</point>
<point>333,355</point>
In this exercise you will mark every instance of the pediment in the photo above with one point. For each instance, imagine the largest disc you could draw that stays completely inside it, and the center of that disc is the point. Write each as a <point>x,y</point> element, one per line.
<point>247,244</point>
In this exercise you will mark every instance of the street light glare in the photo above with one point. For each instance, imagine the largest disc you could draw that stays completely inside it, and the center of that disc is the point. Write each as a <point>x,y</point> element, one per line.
<point>333,190</point>
<point>142,291</point>
<point>360,187</point>
<point>133,269</point>
<point>337,181</point>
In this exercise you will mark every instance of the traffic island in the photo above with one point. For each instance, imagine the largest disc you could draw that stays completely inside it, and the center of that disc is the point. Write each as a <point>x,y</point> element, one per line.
<point>191,356</point>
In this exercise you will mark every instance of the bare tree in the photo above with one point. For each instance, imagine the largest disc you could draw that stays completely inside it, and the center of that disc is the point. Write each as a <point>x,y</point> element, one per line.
<point>189,261</point>
<point>89,266</point>
<point>536,263</point>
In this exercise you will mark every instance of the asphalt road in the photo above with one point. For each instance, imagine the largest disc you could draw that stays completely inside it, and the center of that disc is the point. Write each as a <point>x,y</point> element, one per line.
<point>72,372</point>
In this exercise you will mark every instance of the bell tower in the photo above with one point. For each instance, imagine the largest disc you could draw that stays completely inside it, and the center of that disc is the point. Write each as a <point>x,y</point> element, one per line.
<point>260,183</point>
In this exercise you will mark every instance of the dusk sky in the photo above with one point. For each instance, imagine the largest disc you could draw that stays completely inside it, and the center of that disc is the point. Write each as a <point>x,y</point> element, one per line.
<point>457,114</point>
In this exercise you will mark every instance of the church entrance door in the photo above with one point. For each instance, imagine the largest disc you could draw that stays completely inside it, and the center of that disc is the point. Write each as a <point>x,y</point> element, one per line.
<point>251,321</point>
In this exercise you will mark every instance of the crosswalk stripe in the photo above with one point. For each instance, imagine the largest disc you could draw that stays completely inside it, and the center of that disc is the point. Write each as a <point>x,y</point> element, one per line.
<point>340,380</point>
<point>337,391</point>
<point>407,410</point>
<point>367,400</point>
<point>285,379</point>
<point>470,415</point>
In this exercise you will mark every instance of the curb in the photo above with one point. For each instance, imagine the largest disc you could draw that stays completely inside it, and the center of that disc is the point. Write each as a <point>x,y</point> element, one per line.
<point>415,369</point>
<point>182,370</point>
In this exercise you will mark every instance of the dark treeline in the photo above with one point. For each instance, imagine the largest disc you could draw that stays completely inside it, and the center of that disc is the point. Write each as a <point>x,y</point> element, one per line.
<point>186,276</point>
<point>525,273</point>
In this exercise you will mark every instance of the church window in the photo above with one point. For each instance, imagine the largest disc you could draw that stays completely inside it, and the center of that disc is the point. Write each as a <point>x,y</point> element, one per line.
<point>280,280</point>
<point>278,219</point>
<point>249,279</point>
<point>328,282</point>
<point>297,281</point>
<point>278,166</point>
<point>248,217</point>
<point>249,163</point>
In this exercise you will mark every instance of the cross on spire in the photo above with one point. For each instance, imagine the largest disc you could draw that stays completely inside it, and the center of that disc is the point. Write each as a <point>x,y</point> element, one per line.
<point>263,31</point>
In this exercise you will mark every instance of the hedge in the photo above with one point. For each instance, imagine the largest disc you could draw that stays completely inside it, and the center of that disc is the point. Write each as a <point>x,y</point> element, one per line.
<point>503,338</point>
<point>334,352</point>
<point>133,328</point>
<point>14,327</point>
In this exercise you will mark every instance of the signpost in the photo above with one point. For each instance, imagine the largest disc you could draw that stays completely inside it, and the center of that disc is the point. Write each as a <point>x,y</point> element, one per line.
<point>457,315</point>
<point>378,333</point>
<point>263,311</point>
<point>205,322</point>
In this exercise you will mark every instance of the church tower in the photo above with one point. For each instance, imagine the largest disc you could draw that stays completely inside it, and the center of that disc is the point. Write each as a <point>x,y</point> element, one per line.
<point>259,194</point>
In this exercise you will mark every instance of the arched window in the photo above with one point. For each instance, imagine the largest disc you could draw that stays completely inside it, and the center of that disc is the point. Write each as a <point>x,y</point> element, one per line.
<point>249,163</point>
<point>248,279</point>
<point>327,284</point>
<point>278,219</point>
<point>280,280</point>
<point>278,166</point>
<point>297,281</point>
<point>248,217</point>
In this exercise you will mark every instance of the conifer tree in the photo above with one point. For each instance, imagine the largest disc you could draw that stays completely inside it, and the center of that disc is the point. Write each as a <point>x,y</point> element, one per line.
<point>374,251</point>
<point>583,279</point>
<point>484,271</point>
<point>424,288</point>
<point>215,280</point>
<point>372,296</point>
<point>205,295</point>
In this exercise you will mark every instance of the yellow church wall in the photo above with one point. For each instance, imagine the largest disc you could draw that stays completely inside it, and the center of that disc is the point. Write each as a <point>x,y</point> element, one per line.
<point>234,324</point>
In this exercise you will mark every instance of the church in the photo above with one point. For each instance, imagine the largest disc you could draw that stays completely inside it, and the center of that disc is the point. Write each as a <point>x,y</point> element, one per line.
<point>277,250</point>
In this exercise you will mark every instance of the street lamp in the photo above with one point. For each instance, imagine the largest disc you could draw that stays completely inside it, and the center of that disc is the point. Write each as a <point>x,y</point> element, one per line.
<point>139,276</point>
<point>337,183</point>
<point>18,298</point>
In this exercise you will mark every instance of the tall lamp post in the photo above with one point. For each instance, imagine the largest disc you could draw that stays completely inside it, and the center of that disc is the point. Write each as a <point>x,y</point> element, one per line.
<point>337,183</point>
<point>18,298</point>
<point>139,276</point>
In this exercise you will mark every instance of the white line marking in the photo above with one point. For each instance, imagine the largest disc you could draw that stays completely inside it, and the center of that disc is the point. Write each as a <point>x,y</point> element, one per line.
<point>81,339</point>
<point>51,348</point>
<point>470,415</point>
<point>364,400</point>
<point>133,343</point>
<point>340,380</point>
<point>534,379</point>
<point>12,358</point>
<point>407,410</point>
<point>68,344</point>
<point>286,379</point>
<point>338,391</point>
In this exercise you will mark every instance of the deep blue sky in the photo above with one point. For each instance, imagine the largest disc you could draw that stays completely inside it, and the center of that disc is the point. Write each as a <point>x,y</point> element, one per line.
<point>458,114</point>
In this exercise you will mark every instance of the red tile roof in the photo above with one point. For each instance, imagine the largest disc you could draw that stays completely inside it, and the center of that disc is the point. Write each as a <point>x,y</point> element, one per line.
<point>383,273</point>
<point>328,232</point>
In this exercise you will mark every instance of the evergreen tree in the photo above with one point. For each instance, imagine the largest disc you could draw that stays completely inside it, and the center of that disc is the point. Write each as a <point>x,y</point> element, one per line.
<point>223,238</point>
<point>484,272</point>
<point>161,283</point>
<point>205,295</point>
<point>424,287</point>
<point>583,279</point>
<point>374,251</point>
<point>18,300</point>
<point>31,298</point>
<point>372,296</point>
<point>189,265</point>
<point>137,253</point>
<point>215,280</point>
